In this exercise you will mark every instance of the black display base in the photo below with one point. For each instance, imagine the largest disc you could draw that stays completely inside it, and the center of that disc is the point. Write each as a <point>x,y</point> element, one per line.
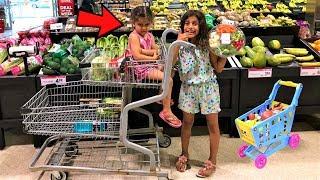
<point>2,139</point>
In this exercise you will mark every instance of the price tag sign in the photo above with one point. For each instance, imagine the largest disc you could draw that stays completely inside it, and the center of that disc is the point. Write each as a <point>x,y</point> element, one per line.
<point>265,20</point>
<point>227,21</point>
<point>310,71</point>
<point>56,26</point>
<point>260,73</point>
<point>58,80</point>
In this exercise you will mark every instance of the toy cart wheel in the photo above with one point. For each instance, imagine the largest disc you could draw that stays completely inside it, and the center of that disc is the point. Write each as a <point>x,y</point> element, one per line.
<point>241,150</point>
<point>294,141</point>
<point>164,141</point>
<point>71,149</point>
<point>59,176</point>
<point>260,161</point>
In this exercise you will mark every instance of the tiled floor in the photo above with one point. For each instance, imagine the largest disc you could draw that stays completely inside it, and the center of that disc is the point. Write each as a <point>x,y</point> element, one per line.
<point>303,163</point>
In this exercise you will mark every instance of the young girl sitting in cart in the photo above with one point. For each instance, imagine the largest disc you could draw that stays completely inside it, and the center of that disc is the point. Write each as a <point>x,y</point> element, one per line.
<point>142,46</point>
<point>199,90</point>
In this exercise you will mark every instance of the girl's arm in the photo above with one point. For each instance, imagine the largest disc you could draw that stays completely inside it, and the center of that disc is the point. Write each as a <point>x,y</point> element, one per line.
<point>154,48</point>
<point>136,50</point>
<point>218,63</point>
<point>175,56</point>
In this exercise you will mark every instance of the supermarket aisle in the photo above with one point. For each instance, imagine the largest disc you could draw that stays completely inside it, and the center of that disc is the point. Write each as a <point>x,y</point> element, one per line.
<point>300,164</point>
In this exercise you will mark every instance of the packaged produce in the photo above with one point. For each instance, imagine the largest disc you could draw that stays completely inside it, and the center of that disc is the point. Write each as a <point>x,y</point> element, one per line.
<point>6,66</point>
<point>34,62</point>
<point>3,54</point>
<point>226,40</point>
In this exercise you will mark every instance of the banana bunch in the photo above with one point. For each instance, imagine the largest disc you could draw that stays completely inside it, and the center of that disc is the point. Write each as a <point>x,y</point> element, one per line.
<point>310,64</point>
<point>297,51</point>
<point>263,2</point>
<point>281,7</point>
<point>236,5</point>
<point>301,54</point>
<point>284,58</point>
<point>292,4</point>
<point>113,45</point>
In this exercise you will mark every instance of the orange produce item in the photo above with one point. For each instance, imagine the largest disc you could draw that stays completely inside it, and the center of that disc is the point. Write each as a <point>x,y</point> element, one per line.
<point>317,41</point>
<point>317,47</point>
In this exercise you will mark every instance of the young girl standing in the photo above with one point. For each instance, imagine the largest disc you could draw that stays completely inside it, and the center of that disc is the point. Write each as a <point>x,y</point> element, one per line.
<point>199,90</point>
<point>142,46</point>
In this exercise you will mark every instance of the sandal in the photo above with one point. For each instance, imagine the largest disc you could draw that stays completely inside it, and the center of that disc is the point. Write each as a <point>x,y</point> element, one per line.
<point>182,164</point>
<point>208,169</point>
<point>170,119</point>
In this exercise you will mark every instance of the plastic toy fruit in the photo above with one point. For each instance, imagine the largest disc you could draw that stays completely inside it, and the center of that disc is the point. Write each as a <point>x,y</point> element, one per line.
<point>251,116</point>
<point>266,114</point>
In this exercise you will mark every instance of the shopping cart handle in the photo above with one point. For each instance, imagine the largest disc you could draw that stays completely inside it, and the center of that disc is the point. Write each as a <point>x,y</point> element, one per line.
<point>288,83</point>
<point>166,32</point>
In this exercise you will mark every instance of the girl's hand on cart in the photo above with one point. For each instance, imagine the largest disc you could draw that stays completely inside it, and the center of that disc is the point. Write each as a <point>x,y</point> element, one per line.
<point>155,56</point>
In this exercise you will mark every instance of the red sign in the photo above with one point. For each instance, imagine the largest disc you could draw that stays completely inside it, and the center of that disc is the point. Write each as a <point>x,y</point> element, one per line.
<point>106,22</point>
<point>66,7</point>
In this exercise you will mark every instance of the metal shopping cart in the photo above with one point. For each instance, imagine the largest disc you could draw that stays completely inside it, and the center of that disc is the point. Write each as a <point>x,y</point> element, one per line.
<point>88,122</point>
<point>272,134</point>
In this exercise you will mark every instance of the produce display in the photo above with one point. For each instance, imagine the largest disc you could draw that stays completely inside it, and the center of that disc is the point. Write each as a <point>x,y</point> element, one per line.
<point>15,66</point>
<point>105,64</point>
<point>226,40</point>
<point>244,19</point>
<point>260,56</point>
<point>31,37</point>
<point>116,47</point>
<point>265,6</point>
<point>64,58</point>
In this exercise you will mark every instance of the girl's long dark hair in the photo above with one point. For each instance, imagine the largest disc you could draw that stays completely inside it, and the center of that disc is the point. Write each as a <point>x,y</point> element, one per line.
<point>202,39</point>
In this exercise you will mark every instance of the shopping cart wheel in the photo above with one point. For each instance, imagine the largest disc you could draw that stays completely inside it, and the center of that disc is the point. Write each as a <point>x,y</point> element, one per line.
<point>294,141</point>
<point>260,161</point>
<point>59,175</point>
<point>71,149</point>
<point>241,150</point>
<point>164,140</point>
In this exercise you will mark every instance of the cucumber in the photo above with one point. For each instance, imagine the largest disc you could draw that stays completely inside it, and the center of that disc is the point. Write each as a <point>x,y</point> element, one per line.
<point>53,65</point>
<point>71,70</point>
<point>47,71</point>
<point>63,70</point>
<point>57,60</point>
<point>65,62</point>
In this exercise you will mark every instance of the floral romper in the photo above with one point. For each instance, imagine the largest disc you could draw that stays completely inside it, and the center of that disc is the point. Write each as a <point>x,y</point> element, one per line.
<point>199,90</point>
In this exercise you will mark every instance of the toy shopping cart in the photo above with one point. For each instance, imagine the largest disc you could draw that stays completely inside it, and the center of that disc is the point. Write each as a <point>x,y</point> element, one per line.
<point>87,121</point>
<point>267,127</point>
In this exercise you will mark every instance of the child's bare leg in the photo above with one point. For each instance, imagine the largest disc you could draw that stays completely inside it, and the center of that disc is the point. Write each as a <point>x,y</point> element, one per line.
<point>214,136</point>
<point>187,124</point>
<point>157,75</point>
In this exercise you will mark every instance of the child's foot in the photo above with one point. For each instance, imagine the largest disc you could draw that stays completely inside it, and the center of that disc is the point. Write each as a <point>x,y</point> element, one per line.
<point>207,169</point>
<point>182,164</point>
<point>170,118</point>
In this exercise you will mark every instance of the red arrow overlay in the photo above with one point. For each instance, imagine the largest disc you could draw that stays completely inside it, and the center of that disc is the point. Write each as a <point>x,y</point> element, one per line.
<point>106,22</point>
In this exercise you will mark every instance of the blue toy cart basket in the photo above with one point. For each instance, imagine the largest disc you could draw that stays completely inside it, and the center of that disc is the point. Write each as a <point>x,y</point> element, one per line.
<point>265,137</point>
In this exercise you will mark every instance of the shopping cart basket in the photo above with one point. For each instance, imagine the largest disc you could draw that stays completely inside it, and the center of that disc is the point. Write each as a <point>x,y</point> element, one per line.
<point>265,137</point>
<point>88,121</point>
